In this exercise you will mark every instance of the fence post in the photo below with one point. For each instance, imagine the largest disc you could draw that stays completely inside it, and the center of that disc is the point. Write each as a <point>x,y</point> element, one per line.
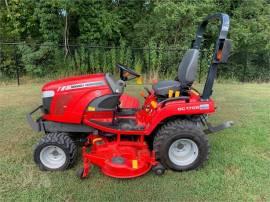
<point>88,58</point>
<point>17,66</point>
<point>200,67</point>
<point>245,67</point>
<point>268,67</point>
<point>149,57</point>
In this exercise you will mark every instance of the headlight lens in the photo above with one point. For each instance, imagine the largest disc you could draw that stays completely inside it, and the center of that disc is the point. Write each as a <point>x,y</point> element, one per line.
<point>47,93</point>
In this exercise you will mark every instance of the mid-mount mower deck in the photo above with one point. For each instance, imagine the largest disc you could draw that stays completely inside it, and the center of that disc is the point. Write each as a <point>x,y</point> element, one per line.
<point>116,134</point>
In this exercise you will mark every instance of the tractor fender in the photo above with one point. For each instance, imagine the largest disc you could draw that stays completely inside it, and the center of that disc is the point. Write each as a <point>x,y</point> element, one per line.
<point>177,109</point>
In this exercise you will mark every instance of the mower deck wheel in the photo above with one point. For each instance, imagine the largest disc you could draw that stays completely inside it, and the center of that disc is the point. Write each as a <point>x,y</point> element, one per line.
<point>55,151</point>
<point>158,169</point>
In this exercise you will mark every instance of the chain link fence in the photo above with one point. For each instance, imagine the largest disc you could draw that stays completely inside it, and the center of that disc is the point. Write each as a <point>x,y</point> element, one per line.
<point>48,60</point>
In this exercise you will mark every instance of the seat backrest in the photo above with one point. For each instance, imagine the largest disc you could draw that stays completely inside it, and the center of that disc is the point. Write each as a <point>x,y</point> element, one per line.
<point>188,67</point>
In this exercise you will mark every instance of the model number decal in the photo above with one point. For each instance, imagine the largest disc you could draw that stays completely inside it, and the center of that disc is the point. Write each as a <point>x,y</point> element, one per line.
<point>81,85</point>
<point>204,106</point>
<point>198,107</point>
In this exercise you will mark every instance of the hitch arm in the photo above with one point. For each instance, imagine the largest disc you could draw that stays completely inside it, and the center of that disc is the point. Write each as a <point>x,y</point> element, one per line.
<point>214,129</point>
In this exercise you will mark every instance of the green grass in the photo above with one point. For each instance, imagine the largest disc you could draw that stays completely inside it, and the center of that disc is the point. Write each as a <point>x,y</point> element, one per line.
<point>238,168</point>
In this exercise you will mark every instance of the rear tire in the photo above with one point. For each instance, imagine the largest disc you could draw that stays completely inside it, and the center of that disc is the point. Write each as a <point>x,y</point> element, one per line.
<point>181,145</point>
<point>55,151</point>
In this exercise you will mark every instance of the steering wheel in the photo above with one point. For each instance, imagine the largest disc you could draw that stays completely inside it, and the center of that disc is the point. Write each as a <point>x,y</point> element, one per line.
<point>126,71</point>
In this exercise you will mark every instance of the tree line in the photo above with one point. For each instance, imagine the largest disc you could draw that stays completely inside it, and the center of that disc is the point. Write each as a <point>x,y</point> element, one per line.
<point>92,35</point>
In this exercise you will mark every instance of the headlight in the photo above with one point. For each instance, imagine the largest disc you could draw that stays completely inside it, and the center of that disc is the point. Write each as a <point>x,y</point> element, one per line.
<point>47,93</point>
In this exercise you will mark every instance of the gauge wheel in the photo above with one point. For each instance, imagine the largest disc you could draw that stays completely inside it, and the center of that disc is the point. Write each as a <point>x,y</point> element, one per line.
<point>158,169</point>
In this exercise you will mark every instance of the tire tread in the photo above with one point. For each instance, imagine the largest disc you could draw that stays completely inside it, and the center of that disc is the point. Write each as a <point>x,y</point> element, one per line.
<point>61,139</point>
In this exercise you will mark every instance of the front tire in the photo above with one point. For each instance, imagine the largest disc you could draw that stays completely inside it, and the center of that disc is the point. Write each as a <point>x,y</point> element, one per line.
<point>55,151</point>
<point>181,145</point>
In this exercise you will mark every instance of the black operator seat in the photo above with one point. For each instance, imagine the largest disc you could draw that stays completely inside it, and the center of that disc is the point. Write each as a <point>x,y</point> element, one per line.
<point>186,75</point>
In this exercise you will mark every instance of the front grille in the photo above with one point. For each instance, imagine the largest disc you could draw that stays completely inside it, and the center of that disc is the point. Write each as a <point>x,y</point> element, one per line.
<point>61,103</point>
<point>46,104</point>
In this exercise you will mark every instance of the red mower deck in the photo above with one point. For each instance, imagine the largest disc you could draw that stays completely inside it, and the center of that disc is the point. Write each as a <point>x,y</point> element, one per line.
<point>119,159</point>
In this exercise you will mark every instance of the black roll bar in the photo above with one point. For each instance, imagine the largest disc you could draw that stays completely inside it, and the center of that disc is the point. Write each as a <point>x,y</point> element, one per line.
<point>223,31</point>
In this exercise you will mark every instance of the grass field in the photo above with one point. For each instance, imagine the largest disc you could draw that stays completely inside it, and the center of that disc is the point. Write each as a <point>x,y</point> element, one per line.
<point>238,168</point>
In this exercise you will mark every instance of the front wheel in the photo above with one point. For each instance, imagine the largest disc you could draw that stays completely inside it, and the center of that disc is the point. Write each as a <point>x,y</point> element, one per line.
<point>181,145</point>
<point>55,151</point>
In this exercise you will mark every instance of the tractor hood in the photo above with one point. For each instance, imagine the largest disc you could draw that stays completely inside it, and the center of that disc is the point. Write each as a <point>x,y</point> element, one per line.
<point>76,82</point>
<point>65,100</point>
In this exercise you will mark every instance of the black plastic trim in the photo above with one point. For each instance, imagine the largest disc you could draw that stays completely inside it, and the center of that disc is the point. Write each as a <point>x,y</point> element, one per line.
<point>50,126</point>
<point>106,102</point>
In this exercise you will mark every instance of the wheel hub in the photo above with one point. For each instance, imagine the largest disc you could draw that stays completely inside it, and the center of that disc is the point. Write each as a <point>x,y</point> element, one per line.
<point>180,146</point>
<point>53,157</point>
<point>183,152</point>
<point>55,153</point>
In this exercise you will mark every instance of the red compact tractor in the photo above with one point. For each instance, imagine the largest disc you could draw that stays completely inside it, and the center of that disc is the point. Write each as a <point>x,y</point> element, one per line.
<point>122,138</point>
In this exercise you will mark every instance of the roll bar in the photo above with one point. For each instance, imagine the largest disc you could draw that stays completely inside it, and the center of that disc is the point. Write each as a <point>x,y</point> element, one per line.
<point>217,55</point>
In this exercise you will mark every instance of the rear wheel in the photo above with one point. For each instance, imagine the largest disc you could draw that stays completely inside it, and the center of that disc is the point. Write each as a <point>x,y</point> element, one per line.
<point>55,151</point>
<point>181,145</point>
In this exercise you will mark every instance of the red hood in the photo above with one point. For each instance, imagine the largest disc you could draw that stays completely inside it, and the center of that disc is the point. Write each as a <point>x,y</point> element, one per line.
<point>56,84</point>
